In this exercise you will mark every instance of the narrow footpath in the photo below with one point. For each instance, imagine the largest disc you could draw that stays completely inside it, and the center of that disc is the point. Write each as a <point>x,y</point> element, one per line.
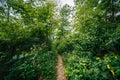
<point>60,69</point>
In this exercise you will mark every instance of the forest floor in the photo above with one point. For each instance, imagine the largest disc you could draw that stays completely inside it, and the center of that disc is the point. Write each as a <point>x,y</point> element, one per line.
<point>60,69</point>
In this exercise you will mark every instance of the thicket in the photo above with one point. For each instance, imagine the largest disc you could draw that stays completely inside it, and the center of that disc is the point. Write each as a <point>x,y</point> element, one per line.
<point>25,30</point>
<point>95,43</point>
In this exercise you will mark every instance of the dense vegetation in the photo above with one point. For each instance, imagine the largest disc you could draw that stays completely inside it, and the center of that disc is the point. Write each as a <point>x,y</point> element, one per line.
<point>25,29</point>
<point>32,32</point>
<point>96,42</point>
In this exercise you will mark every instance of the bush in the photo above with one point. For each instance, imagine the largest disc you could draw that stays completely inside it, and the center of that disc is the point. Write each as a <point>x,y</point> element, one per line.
<point>86,68</point>
<point>33,65</point>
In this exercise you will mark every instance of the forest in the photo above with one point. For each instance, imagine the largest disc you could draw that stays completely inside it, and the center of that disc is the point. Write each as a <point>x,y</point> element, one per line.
<point>35,34</point>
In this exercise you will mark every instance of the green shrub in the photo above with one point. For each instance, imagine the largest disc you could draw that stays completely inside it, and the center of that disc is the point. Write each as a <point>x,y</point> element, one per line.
<point>85,68</point>
<point>33,65</point>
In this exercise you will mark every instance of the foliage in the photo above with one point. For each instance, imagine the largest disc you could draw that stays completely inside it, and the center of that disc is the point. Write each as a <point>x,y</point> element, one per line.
<point>97,25</point>
<point>78,67</point>
<point>31,35</point>
<point>95,42</point>
<point>25,25</point>
<point>33,65</point>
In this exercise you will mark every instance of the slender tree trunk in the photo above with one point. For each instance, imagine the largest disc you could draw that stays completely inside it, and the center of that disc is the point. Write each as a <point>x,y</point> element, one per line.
<point>112,11</point>
<point>8,13</point>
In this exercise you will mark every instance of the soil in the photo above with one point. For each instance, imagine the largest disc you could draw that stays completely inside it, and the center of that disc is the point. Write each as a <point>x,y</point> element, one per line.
<point>60,69</point>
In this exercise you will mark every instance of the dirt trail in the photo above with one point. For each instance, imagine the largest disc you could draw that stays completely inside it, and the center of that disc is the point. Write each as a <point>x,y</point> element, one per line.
<point>60,69</point>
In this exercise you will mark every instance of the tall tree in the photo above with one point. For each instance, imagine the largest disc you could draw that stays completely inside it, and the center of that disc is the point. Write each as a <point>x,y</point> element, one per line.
<point>97,19</point>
